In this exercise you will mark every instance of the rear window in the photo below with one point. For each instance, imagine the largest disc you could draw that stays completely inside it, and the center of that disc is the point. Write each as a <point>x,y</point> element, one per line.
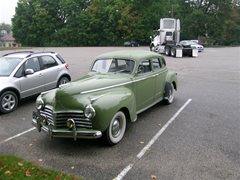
<point>60,58</point>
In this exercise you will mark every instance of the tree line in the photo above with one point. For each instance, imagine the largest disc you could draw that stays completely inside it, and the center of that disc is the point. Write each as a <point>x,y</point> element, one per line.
<point>111,22</point>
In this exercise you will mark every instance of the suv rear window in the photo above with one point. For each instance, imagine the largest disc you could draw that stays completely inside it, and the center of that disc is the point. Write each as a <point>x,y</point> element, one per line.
<point>60,58</point>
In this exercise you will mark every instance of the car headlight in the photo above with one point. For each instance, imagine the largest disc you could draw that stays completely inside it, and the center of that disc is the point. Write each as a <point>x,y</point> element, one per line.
<point>89,111</point>
<point>39,103</point>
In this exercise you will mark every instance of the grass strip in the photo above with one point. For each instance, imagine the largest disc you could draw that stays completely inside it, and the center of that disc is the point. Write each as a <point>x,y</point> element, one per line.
<point>12,167</point>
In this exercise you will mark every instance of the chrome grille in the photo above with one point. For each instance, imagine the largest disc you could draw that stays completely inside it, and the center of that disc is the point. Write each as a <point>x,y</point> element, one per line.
<point>78,117</point>
<point>59,119</point>
<point>49,114</point>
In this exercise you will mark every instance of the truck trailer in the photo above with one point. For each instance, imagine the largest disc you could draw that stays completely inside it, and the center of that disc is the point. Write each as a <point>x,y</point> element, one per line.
<point>166,40</point>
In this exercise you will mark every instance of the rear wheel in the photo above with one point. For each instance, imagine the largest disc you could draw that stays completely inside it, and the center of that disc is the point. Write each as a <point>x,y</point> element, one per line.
<point>169,93</point>
<point>63,80</point>
<point>116,129</point>
<point>173,52</point>
<point>9,102</point>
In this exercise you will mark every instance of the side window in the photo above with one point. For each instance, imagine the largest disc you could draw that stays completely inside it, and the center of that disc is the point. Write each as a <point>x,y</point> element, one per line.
<point>32,63</point>
<point>144,67</point>
<point>19,72</point>
<point>163,62</point>
<point>156,63</point>
<point>48,61</point>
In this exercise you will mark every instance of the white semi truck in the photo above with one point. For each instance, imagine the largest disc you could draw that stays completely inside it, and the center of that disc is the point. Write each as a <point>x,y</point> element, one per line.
<point>166,40</point>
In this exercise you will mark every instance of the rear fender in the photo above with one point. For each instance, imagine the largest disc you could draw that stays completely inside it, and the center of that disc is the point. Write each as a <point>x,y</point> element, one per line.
<point>172,78</point>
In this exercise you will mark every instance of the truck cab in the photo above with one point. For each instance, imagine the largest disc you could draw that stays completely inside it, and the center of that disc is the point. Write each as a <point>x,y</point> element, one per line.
<point>166,39</point>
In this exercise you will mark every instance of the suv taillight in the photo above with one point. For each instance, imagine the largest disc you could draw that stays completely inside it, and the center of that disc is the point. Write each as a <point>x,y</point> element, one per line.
<point>66,66</point>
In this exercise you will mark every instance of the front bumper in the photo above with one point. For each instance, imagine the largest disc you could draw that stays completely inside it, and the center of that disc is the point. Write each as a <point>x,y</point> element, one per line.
<point>38,121</point>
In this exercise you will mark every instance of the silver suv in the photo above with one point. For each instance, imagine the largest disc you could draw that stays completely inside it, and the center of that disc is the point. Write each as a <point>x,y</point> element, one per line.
<point>26,73</point>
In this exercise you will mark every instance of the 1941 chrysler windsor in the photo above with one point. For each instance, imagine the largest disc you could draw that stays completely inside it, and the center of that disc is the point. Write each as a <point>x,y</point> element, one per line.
<point>119,86</point>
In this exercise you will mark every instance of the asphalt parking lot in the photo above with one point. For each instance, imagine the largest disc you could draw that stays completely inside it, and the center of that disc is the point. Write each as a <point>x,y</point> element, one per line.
<point>197,137</point>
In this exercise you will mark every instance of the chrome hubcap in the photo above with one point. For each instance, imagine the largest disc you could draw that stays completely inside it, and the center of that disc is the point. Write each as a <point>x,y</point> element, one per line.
<point>64,81</point>
<point>170,98</point>
<point>8,102</point>
<point>116,129</point>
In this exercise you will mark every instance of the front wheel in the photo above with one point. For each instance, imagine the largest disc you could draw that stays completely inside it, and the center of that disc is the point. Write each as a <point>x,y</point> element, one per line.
<point>116,129</point>
<point>169,93</point>
<point>9,102</point>
<point>151,47</point>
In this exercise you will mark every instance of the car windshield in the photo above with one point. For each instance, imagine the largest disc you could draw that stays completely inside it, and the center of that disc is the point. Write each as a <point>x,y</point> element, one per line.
<point>113,65</point>
<point>192,42</point>
<point>7,65</point>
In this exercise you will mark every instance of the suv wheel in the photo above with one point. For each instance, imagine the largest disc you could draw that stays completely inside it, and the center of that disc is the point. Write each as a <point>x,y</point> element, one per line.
<point>63,80</point>
<point>8,102</point>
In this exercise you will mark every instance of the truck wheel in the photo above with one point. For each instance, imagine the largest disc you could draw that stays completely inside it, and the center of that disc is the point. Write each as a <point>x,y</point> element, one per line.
<point>151,47</point>
<point>169,93</point>
<point>116,129</point>
<point>9,102</point>
<point>173,52</point>
<point>167,51</point>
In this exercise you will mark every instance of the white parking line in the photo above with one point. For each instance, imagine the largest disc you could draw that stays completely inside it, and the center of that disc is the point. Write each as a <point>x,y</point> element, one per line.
<point>151,142</point>
<point>20,134</point>
<point>124,172</point>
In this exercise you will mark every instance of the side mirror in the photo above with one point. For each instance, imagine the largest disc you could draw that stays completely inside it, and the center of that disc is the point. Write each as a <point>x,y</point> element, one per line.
<point>29,71</point>
<point>150,37</point>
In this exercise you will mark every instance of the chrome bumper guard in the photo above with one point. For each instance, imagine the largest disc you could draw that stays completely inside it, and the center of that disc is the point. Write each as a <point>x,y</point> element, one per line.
<point>39,122</point>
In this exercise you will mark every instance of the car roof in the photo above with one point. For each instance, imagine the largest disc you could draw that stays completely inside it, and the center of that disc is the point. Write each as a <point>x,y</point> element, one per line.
<point>136,55</point>
<point>24,54</point>
<point>17,54</point>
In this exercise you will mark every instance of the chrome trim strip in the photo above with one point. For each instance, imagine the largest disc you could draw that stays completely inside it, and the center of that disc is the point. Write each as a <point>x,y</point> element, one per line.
<point>104,88</point>
<point>141,110</point>
<point>69,111</point>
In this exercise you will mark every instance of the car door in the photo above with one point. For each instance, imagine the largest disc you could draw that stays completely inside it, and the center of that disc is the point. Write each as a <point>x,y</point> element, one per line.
<point>33,83</point>
<point>50,71</point>
<point>144,85</point>
<point>160,72</point>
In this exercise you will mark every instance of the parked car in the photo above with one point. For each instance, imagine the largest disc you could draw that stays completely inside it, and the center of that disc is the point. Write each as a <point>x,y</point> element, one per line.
<point>26,73</point>
<point>131,43</point>
<point>119,86</point>
<point>197,41</point>
<point>192,44</point>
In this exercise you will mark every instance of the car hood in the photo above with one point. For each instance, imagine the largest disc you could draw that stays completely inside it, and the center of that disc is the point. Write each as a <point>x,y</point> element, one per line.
<point>84,90</point>
<point>95,82</point>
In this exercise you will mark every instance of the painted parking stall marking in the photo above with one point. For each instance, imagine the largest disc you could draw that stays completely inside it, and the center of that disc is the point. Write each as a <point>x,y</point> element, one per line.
<point>18,135</point>
<point>124,172</point>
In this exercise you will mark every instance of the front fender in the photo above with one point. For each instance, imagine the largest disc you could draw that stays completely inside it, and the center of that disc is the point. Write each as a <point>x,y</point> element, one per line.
<point>172,78</point>
<point>110,103</point>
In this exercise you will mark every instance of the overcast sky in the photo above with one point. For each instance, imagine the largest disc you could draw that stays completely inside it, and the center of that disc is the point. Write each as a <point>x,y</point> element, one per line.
<point>7,10</point>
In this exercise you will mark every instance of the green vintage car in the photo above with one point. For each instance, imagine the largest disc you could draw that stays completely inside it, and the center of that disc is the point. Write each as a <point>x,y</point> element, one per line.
<point>119,86</point>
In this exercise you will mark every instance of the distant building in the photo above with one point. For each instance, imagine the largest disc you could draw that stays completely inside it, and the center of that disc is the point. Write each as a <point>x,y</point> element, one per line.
<point>8,41</point>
